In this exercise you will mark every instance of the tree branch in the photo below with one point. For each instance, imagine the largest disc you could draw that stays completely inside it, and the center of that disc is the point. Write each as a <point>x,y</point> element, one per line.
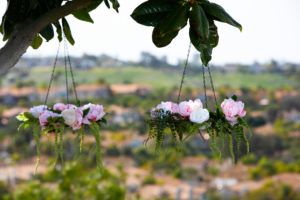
<point>22,37</point>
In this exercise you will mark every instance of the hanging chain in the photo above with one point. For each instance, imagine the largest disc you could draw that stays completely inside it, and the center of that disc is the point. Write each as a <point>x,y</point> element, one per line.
<point>204,85</point>
<point>184,72</point>
<point>212,85</point>
<point>52,75</point>
<point>71,72</point>
<point>66,72</point>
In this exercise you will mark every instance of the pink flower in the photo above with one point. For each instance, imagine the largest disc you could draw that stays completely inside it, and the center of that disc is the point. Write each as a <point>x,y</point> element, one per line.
<point>168,107</point>
<point>73,117</point>
<point>36,111</point>
<point>43,118</point>
<point>187,107</point>
<point>95,113</point>
<point>62,106</point>
<point>233,110</point>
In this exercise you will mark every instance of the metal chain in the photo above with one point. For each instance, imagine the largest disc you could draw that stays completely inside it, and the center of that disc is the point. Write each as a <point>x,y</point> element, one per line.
<point>52,75</point>
<point>212,85</point>
<point>184,72</point>
<point>66,71</point>
<point>204,85</point>
<point>72,73</point>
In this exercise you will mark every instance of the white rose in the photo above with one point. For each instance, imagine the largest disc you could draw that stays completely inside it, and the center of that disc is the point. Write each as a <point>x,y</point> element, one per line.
<point>36,111</point>
<point>69,116</point>
<point>199,115</point>
<point>196,104</point>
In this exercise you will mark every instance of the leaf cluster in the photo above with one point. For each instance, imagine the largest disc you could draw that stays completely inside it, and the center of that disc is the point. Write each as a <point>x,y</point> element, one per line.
<point>19,12</point>
<point>57,127</point>
<point>168,17</point>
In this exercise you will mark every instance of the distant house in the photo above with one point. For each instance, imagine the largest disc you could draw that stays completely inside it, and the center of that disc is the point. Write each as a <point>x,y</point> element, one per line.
<point>11,96</point>
<point>130,89</point>
<point>93,91</point>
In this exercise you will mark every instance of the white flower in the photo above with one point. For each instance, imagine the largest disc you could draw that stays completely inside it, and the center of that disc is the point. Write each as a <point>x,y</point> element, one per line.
<point>73,117</point>
<point>69,116</point>
<point>199,115</point>
<point>36,111</point>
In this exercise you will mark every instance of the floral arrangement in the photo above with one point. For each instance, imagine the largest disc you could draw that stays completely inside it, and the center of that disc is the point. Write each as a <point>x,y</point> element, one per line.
<point>45,120</point>
<point>189,117</point>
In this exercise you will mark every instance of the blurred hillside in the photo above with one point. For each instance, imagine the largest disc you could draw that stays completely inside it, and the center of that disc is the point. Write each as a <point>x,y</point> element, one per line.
<point>128,90</point>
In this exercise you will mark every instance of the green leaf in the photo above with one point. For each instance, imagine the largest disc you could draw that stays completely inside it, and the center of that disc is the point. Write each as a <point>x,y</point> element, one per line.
<point>199,22</point>
<point>22,117</point>
<point>37,42</point>
<point>202,46</point>
<point>58,30</point>
<point>162,40</point>
<point>218,13</point>
<point>174,21</point>
<point>107,3</point>
<point>168,28</point>
<point>67,31</point>
<point>96,132</point>
<point>115,5</point>
<point>47,32</point>
<point>83,15</point>
<point>213,34</point>
<point>151,12</point>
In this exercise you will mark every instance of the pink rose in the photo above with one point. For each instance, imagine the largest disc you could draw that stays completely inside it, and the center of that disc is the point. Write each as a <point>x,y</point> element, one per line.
<point>187,107</point>
<point>95,113</point>
<point>36,111</point>
<point>232,110</point>
<point>43,118</point>
<point>168,107</point>
<point>73,117</point>
<point>62,106</point>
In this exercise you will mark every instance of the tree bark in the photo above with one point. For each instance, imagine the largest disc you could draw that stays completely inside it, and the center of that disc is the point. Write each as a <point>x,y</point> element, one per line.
<point>23,36</point>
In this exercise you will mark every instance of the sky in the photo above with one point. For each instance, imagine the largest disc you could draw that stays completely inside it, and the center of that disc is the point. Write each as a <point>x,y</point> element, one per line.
<point>271,30</point>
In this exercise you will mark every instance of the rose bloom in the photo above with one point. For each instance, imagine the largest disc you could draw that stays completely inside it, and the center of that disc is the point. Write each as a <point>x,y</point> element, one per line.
<point>36,111</point>
<point>199,115</point>
<point>168,106</point>
<point>61,106</point>
<point>232,110</point>
<point>95,113</point>
<point>187,107</point>
<point>43,118</point>
<point>73,117</point>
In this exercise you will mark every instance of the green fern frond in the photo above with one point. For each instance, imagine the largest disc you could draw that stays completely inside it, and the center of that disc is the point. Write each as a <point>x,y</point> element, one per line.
<point>36,134</point>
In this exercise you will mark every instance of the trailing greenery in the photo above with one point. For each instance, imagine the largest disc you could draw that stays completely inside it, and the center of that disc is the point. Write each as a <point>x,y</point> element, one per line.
<point>57,127</point>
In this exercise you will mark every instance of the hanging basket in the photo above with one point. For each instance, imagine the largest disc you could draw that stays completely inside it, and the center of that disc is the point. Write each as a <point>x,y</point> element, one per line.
<point>61,117</point>
<point>183,119</point>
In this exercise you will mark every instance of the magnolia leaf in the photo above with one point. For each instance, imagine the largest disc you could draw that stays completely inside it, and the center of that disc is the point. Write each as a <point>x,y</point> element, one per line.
<point>151,12</point>
<point>218,13</point>
<point>115,5</point>
<point>67,31</point>
<point>47,32</point>
<point>202,46</point>
<point>198,21</point>
<point>58,30</point>
<point>37,42</point>
<point>83,15</point>
<point>168,28</point>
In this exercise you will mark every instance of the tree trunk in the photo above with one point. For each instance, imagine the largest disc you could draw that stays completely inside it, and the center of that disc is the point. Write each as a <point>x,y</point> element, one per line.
<point>22,37</point>
<point>15,47</point>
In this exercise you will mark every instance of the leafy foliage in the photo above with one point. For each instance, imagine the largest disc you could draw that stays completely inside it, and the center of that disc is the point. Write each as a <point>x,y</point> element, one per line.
<point>165,123</point>
<point>57,127</point>
<point>218,127</point>
<point>169,17</point>
<point>20,12</point>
